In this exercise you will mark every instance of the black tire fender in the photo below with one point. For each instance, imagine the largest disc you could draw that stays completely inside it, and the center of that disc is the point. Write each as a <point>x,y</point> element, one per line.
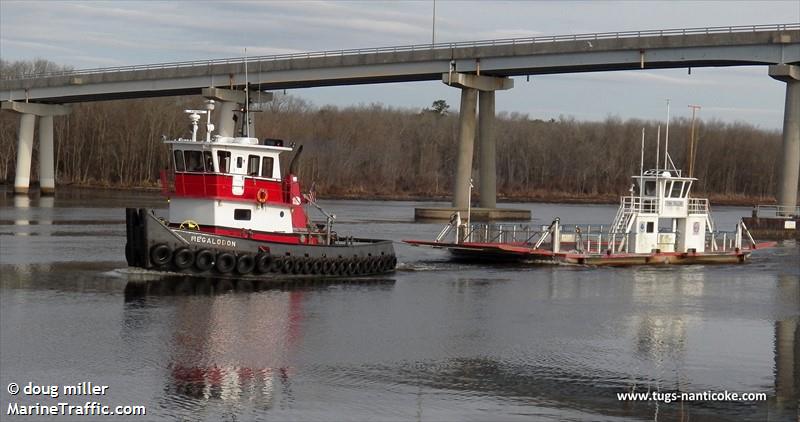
<point>204,260</point>
<point>225,262</point>
<point>245,264</point>
<point>263,263</point>
<point>160,254</point>
<point>183,258</point>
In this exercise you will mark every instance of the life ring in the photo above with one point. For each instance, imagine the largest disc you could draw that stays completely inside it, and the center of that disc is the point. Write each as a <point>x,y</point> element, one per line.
<point>262,196</point>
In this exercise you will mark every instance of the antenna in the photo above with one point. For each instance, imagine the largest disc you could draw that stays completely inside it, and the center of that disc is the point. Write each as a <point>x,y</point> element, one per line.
<point>246,96</point>
<point>658,147</point>
<point>641,169</point>
<point>692,146</point>
<point>433,26</point>
<point>666,139</point>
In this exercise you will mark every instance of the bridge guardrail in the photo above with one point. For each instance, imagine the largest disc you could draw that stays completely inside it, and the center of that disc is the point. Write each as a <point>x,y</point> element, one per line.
<point>424,47</point>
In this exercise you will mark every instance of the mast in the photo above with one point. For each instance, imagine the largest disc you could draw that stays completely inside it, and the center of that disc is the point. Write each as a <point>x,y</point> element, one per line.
<point>641,170</point>
<point>666,139</point>
<point>658,147</point>
<point>246,96</point>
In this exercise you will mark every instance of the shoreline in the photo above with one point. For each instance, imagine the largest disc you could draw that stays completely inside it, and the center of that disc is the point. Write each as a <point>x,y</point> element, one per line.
<point>538,196</point>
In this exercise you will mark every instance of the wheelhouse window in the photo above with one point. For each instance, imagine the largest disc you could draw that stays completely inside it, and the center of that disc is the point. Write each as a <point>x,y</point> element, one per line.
<point>266,166</point>
<point>224,161</point>
<point>252,165</point>
<point>208,159</point>
<point>675,192</point>
<point>651,227</point>
<point>650,188</point>
<point>241,214</point>
<point>179,164</point>
<point>194,161</point>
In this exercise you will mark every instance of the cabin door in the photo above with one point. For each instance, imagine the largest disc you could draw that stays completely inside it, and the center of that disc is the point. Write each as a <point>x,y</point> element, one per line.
<point>238,176</point>
<point>238,184</point>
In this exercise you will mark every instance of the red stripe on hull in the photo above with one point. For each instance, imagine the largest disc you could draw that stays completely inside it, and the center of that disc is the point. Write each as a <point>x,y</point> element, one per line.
<point>288,238</point>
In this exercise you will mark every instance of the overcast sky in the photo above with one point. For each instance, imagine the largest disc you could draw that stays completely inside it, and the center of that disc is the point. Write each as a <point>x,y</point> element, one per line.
<point>110,33</point>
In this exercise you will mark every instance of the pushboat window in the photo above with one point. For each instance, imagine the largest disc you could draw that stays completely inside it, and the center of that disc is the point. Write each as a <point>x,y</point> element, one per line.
<point>266,166</point>
<point>208,159</point>
<point>241,214</point>
<point>224,161</point>
<point>677,188</point>
<point>194,161</point>
<point>239,162</point>
<point>252,165</point>
<point>179,164</point>
<point>650,227</point>
<point>650,188</point>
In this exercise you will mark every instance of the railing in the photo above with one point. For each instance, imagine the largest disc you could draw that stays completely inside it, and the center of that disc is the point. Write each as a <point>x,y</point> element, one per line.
<point>426,47</point>
<point>520,234</point>
<point>780,211</point>
<point>635,204</point>
<point>699,206</point>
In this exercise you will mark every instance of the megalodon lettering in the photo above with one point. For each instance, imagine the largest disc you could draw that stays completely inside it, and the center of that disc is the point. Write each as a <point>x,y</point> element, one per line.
<point>213,241</point>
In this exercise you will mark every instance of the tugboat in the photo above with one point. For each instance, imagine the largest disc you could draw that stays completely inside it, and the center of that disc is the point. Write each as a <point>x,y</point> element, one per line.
<point>231,211</point>
<point>659,223</point>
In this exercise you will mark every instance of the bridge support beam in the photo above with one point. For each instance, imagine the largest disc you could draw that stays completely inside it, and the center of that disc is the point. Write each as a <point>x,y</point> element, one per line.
<point>47,177</point>
<point>229,101</point>
<point>466,143</point>
<point>790,158</point>
<point>488,151</point>
<point>22,175</point>
<point>28,113</point>
<point>477,110</point>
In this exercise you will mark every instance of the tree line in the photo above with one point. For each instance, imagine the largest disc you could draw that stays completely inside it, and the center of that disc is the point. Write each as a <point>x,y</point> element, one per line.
<point>380,151</point>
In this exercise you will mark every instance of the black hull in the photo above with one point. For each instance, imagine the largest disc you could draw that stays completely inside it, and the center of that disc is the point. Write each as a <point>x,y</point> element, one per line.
<point>154,246</point>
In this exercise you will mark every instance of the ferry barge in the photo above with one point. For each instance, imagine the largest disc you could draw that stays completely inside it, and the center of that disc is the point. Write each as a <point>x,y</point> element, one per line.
<point>231,211</point>
<point>659,223</point>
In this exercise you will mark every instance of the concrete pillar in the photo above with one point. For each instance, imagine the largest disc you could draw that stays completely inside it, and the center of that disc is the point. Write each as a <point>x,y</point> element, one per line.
<point>466,142</point>
<point>28,112</point>
<point>227,102</point>
<point>47,179</point>
<point>790,158</point>
<point>22,176</point>
<point>488,166</point>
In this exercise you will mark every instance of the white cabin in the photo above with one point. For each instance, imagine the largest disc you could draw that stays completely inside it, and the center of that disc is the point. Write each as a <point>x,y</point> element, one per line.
<point>662,216</point>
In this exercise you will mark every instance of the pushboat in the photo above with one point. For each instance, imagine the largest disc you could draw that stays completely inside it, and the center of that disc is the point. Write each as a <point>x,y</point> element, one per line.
<point>232,212</point>
<point>659,223</point>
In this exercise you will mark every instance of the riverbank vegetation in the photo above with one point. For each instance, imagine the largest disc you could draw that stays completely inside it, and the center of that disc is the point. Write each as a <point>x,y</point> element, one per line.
<point>376,151</point>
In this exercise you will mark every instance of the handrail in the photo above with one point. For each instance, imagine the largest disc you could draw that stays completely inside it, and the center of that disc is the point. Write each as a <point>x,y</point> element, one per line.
<point>424,47</point>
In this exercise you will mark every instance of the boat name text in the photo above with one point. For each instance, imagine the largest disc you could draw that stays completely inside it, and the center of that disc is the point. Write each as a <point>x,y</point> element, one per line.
<point>213,241</point>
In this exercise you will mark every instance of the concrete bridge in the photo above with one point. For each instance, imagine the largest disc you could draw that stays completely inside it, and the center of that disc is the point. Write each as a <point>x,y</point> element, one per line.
<point>478,68</point>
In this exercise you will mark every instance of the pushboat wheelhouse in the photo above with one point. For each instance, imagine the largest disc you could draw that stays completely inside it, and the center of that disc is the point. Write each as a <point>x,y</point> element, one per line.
<point>231,210</point>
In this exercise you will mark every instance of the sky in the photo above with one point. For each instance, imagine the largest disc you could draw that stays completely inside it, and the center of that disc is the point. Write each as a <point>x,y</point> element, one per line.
<point>90,34</point>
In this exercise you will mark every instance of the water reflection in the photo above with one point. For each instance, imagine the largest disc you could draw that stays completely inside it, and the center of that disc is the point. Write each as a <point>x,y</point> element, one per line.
<point>232,340</point>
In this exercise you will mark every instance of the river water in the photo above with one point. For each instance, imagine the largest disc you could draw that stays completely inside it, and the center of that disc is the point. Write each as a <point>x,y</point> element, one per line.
<point>434,341</point>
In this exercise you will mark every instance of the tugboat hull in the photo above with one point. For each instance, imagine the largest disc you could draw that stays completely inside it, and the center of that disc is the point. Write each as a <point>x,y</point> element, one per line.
<point>152,244</point>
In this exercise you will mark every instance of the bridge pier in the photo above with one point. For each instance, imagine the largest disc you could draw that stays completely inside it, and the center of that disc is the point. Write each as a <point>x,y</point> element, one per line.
<point>229,101</point>
<point>790,158</point>
<point>476,90</point>
<point>22,175</point>
<point>28,113</point>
